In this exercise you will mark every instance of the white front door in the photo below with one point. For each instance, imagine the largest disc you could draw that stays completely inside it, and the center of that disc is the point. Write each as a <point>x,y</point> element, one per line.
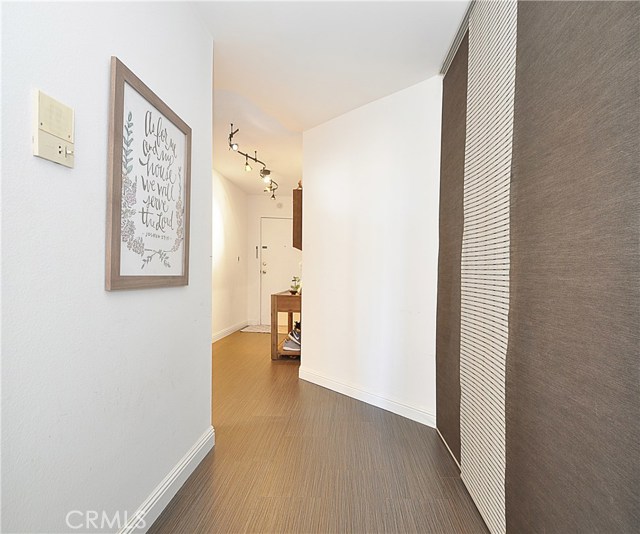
<point>279,262</point>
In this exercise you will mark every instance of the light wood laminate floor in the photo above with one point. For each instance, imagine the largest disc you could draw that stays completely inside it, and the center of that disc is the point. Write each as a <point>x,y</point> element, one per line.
<point>293,457</point>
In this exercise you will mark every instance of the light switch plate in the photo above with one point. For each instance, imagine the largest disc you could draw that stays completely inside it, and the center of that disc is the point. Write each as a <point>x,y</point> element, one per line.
<point>53,135</point>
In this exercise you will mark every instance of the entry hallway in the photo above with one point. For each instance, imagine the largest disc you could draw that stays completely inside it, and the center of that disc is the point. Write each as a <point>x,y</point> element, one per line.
<point>293,457</point>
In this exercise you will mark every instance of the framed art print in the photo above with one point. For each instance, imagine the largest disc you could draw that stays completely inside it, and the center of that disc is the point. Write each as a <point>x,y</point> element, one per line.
<point>149,176</point>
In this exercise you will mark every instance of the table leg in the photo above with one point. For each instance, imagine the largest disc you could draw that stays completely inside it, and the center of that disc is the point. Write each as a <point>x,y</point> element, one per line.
<point>274,327</point>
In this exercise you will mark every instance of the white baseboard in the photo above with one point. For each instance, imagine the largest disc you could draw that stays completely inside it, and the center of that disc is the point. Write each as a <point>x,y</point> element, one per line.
<point>217,336</point>
<point>405,410</point>
<point>160,497</point>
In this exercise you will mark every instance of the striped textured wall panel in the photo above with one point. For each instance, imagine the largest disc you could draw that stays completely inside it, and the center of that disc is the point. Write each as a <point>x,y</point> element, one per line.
<point>485,256</point>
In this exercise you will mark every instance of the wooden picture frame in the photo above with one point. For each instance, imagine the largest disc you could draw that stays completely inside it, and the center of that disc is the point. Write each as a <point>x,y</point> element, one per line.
<point>149,188</point>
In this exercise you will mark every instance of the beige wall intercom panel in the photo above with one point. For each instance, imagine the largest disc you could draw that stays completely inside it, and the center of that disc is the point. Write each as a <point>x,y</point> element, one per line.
<point>53,135</point>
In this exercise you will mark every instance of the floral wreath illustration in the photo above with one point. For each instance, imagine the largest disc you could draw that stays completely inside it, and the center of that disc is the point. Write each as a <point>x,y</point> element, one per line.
<point>129,189</point>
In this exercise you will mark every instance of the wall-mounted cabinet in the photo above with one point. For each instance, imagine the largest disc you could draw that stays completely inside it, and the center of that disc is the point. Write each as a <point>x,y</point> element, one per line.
<point>297,218</point>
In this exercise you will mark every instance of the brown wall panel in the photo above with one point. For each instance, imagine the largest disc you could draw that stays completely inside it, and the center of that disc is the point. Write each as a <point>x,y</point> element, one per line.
<point>454,118</point>
<point>573,370</point>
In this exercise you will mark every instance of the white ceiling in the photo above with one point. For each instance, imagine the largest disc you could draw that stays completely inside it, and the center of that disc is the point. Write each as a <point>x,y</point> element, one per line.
<point>283,67</point>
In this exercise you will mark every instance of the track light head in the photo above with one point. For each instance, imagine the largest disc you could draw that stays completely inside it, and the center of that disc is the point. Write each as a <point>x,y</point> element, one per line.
<point>247,167</point>
<point>271,188</point>
<point>233,146</point>
<point>264,174</point>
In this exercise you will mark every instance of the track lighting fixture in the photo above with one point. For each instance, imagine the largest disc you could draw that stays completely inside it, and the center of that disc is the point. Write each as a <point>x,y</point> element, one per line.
<point>271,188</point>
<point>265,173</point>
<point>233,146</point>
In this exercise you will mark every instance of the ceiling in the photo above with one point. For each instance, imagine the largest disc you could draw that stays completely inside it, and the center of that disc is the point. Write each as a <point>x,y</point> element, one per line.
<point>283,67</point>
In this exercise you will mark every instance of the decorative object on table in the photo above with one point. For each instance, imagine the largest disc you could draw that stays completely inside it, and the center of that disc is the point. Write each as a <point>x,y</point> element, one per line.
<point>149,188</point>
<point>265,174</point>
<point>295,285</point>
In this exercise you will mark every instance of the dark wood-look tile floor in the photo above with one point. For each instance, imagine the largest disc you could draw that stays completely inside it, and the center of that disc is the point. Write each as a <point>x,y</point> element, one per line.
<point>293,457</point>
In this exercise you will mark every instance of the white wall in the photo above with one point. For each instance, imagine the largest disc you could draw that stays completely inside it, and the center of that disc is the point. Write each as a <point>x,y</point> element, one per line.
<point>229,257</point>
<point>260,206</point>
<point>370,240</point>
<point>103,393</point>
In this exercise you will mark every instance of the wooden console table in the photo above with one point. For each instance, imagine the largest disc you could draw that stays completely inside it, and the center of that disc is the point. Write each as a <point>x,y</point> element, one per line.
<point>283,302</point>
